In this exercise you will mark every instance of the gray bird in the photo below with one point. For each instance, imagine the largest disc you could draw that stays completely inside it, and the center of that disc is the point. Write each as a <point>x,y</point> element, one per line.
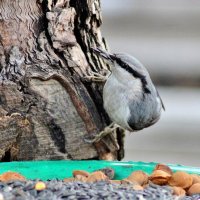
<point>129,96</point>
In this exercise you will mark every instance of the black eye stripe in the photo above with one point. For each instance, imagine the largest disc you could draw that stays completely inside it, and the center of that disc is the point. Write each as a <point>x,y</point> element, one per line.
<point>133,72</point>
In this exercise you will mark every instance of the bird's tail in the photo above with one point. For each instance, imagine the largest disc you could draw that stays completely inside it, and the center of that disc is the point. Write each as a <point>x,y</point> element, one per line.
<point>102,53</point>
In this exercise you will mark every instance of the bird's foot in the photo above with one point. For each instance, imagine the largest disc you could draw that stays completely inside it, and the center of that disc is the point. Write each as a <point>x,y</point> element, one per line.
<point>100,77</point>
<point>112,128</point>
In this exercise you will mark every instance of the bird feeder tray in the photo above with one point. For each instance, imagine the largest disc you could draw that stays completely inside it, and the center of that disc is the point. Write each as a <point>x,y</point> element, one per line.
<point>46,170</point>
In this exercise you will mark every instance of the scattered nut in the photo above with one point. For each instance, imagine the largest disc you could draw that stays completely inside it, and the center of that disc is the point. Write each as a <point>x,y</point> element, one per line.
<point>178,191</point>
<point>115,181</point>
<point>181,179</point>
<point>164,168</point>
<point>137,187</point>
<point>97,176</point>
<point>80,178</point>
<point>80,172</point>
<point>69,180</point>
<point>159,177</point>
<point>196,178</point>
<point>8,176</point>
<point>139,177</point>
<point>194,189</point>
<point>40,186</point>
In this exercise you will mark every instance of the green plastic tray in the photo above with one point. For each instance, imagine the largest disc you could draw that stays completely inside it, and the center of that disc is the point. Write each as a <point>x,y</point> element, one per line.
<point>45,170</point>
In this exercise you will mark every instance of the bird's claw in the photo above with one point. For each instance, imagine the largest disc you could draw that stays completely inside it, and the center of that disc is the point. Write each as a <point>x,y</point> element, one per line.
<point>97,77</point>
<point>97,137</point>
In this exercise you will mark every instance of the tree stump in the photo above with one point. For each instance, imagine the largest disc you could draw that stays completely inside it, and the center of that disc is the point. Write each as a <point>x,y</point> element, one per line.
<point>46,106</point>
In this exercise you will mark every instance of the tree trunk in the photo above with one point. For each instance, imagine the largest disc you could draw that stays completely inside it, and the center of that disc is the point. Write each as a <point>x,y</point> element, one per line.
<point>46,107</point>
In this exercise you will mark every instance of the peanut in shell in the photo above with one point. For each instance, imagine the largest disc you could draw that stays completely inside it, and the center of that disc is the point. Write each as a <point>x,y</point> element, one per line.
<point>159,177</point>
<point>139,177</point>
<point>194,189</point>
<point>80,178</point>
<point>178,191</point>
<point>138,187</point>
<point>8,176</point>
<point>181,179</point>
<point>115,181</point>
<point>80,172</point>
<point>97,176</point>
<point>196,178</point>
<point>164,168</point>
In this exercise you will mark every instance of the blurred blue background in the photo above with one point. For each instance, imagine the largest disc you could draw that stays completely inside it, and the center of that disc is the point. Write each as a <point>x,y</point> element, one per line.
<point>165,37</point>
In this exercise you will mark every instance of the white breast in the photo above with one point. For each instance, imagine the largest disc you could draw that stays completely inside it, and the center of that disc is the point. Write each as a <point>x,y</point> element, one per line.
<point>117,93</point>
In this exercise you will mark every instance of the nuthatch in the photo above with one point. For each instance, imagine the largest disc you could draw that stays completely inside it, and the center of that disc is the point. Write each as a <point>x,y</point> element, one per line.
<point>129,96</point>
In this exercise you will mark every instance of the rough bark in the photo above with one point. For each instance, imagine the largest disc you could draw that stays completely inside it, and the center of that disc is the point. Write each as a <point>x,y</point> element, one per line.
<point>46,107</point>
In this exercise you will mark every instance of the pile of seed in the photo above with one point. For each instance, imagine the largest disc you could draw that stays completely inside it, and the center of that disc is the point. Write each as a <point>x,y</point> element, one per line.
<point>57,190</point>
<point>161,184</point>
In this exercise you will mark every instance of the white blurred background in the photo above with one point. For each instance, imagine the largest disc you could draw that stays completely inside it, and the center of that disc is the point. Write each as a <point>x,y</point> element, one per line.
<point>165,37</point>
